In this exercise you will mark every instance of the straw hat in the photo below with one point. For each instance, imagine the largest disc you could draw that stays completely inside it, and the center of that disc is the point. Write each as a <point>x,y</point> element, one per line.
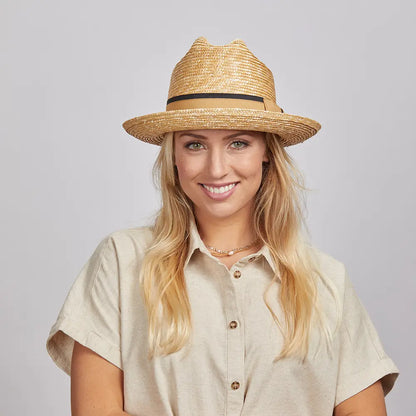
<point>221,87</point>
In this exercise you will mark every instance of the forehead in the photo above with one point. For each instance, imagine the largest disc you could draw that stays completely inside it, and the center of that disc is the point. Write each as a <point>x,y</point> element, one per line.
<point>217,133</point>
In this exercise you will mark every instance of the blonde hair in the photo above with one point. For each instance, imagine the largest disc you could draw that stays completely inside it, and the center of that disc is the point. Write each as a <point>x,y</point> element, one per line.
<point>278,221</point>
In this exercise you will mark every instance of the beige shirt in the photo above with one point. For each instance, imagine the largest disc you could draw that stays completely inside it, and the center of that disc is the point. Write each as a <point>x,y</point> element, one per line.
<point>228,368</point>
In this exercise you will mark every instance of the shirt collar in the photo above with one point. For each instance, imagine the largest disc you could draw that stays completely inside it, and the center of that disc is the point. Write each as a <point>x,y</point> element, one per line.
<point>195,242</point>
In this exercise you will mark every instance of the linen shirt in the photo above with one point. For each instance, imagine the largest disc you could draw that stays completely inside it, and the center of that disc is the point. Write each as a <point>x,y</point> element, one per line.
<point>228,367</point>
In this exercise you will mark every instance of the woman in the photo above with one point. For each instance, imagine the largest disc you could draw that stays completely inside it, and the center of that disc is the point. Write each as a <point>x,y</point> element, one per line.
<point>222,307</point>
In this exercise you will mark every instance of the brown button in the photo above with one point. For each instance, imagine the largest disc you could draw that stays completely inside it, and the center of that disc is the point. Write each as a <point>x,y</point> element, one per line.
<point>235,385</point>
<point>251,259</point>
<point>237,274</point>
<point>233,324</point>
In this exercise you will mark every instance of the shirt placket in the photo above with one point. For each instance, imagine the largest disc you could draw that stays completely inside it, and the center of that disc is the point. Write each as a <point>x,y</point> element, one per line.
<point>235,343</point>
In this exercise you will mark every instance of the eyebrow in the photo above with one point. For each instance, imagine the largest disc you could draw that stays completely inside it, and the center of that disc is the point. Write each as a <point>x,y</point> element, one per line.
<point>200,136</point>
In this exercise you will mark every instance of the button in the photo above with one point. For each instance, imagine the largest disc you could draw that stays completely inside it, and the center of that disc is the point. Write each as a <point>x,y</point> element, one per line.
<point>233,324</point>
<point>235,385</point>
<point>237,274</point>
<point>251,259</point>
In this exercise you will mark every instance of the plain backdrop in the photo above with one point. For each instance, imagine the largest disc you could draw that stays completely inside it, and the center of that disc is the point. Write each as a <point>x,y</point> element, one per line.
<point>72,72</point>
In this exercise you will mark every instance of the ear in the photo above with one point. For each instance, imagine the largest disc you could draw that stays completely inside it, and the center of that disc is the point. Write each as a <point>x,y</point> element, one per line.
<point>266,151</point>
<point>173,149</point>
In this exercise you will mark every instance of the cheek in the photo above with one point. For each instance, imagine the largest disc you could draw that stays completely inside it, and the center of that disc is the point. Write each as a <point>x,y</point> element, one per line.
<point>251,169</point>
<point>186,170</point>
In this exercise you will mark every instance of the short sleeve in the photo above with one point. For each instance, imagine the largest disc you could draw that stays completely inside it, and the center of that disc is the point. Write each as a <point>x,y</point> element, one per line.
<point>90,314</point>
<point>362,359</point>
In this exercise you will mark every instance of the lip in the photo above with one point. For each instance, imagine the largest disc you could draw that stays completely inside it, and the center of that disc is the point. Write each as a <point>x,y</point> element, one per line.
<point>219,197</point>
<point>218,185</point>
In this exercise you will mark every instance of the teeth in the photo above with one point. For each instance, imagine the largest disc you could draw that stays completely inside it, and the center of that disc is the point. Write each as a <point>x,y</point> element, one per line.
<point>219,190</point>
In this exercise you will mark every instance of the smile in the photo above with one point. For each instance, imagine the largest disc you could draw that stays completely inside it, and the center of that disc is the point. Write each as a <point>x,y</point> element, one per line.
<point>219,189</point>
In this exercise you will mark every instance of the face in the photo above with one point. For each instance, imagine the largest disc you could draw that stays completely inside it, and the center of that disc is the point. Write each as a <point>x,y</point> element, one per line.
<point>220,170</point>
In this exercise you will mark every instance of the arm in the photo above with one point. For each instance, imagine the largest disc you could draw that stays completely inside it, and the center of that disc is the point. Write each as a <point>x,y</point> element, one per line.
<point>368,402</point>
<point>96,385</point>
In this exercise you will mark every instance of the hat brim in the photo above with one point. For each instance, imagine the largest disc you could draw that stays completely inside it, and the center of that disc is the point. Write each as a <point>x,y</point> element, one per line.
<point>291,129</point>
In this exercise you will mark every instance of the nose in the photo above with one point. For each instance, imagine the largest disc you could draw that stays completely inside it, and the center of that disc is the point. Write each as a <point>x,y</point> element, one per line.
<point>217,163</point>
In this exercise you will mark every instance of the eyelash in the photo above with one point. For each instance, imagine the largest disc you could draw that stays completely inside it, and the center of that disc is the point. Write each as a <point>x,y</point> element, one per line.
<point>188,145</point>
<point>244,143</point>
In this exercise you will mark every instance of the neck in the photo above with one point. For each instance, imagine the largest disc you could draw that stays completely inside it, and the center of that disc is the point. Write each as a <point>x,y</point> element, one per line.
<point>226,233</point>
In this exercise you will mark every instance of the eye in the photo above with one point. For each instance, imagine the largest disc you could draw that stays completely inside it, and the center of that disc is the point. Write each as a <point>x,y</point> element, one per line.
<point>239,144</point>
<point>193,146</point>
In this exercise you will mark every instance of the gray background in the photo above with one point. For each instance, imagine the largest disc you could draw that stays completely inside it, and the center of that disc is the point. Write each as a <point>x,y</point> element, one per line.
<point>72,72</point>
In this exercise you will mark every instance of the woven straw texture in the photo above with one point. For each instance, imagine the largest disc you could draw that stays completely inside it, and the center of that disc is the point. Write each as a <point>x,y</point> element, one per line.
<point>232,69</point>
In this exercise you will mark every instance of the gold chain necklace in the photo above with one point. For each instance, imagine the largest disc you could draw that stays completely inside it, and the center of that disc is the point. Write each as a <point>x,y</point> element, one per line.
<point>222,253</point>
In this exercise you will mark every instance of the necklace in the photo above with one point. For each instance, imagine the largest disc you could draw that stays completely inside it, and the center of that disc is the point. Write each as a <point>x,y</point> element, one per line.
<point>222,253</point>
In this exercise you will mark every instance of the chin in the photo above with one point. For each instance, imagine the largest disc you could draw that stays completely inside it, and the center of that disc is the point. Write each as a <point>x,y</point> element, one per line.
<point>220,212</point>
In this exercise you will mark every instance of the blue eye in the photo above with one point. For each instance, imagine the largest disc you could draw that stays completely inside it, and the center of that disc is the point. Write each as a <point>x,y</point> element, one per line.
<point>193,146</point>
<point>238,144</point>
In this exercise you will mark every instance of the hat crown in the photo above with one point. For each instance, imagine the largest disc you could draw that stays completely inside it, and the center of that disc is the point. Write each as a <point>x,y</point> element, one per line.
<point>231,68</point>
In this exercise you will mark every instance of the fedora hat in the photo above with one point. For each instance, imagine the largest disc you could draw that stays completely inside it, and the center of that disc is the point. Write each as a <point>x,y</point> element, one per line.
<point>221,87</point>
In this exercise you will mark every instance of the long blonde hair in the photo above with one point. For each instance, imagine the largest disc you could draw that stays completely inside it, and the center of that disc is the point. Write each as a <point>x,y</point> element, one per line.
<point>278,222</point>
